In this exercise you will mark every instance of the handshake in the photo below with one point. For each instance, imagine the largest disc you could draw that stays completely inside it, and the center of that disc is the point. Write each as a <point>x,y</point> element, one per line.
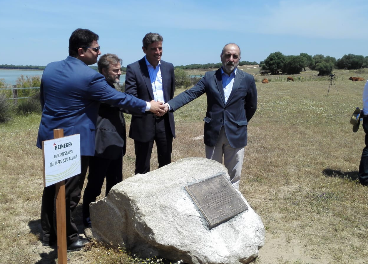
<point>159,108</point>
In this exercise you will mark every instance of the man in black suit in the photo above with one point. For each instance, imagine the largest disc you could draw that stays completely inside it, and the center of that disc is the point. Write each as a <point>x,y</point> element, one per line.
<point>110,141</point>
<point>151,79</point>
<point>231,103</point>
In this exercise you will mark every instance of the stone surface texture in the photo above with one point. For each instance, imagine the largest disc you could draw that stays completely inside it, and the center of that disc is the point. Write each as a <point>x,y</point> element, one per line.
<point>152,215</point>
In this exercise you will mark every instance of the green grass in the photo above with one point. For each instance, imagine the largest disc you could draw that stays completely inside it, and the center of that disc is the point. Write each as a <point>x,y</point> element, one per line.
<point>299,174</point>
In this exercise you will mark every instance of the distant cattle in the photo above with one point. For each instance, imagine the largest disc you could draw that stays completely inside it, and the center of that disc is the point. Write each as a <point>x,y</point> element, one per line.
<point>354,79</point>
<point>265,80</point>
<point>265,72</point>
<point>289,79</point>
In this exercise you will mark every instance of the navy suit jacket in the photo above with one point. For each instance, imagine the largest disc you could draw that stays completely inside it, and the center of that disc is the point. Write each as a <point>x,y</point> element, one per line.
<point>138,83</point>
<point>71,93</point>
<point>233,115</point>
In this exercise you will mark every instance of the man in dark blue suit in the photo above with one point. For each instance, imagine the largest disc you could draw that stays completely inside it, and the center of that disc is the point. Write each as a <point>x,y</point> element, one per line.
<point>151,79</point>
<point>231,103</point>
<point>71,93</point>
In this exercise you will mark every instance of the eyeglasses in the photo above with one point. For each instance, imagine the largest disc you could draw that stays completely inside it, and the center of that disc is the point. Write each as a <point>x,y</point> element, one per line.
<point>96,49</point>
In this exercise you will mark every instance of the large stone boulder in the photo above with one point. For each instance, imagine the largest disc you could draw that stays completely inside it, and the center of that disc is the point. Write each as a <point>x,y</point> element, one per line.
<point>153,215</point>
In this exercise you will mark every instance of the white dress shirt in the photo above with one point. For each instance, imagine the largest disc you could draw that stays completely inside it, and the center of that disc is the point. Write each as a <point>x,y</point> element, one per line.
<point>156,81</point>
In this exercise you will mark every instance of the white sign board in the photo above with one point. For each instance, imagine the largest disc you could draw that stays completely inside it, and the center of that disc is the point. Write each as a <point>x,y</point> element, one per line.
<point>62,158</point>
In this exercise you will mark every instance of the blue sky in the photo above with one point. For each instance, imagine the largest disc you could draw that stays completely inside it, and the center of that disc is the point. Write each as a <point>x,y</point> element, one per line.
<point>37,32</point>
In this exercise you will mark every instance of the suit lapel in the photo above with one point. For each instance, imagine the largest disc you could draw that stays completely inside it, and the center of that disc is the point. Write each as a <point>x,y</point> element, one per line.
<point>218,81</point>
<point>146,77</point>
<point>165,81</point>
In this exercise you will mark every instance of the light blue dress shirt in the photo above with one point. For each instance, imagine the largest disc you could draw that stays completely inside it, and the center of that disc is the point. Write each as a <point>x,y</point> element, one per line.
<point>156,81</point>
<point>228,82</point>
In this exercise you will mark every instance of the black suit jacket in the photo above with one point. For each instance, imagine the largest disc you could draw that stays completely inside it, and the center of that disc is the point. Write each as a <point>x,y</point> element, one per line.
<point>138,83</point>
<point>110,132</point>
<point>233,115</point>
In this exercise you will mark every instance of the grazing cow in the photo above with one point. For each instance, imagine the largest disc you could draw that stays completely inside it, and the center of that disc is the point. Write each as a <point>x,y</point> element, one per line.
<point>354,79</point>
<point>265,80</point>
<point>289,79</point>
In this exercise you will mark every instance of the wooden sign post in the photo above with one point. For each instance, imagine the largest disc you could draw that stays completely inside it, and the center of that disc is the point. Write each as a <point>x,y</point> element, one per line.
<point>61,160</point>
<point>60,214</point>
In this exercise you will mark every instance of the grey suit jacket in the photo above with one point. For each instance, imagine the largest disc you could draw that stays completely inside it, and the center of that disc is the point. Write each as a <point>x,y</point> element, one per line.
<point>233,115</point>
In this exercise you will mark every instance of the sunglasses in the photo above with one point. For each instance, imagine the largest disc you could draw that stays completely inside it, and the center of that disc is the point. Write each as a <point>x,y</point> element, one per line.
<point>95,49</point>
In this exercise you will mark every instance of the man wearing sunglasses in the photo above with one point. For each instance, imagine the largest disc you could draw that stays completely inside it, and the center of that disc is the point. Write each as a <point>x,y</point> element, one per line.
<point>70,95</point>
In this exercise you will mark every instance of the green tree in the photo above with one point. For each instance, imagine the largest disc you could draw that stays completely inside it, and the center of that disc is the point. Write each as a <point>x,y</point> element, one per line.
<point>274,62</point>
<point>293,64</point>
<point>365,63</point>
<point>318,58</point>
<point>324,68</point>
<point>182,79</point>
<point>308,60</point>
<point>350,62</point>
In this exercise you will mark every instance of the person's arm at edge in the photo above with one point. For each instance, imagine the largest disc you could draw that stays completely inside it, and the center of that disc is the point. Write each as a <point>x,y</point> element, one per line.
<point>251,101</point>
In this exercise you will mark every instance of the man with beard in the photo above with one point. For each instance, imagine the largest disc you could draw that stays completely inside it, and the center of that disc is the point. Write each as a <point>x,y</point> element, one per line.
<point>231,103</point>
<point>110,141</point>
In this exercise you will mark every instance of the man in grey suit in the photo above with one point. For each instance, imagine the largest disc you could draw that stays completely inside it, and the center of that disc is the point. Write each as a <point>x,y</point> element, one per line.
<point>231,103</point>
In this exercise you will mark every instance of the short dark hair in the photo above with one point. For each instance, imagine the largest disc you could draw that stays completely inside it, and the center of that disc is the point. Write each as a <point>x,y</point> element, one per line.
<point>150,38</point>
<point>81,38</point>
<point>106,60</point>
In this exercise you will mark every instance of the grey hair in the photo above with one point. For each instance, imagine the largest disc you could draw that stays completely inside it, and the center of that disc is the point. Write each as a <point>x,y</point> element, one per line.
<point>108,59</point>
<point>223,49</point>
<point>150,38</point>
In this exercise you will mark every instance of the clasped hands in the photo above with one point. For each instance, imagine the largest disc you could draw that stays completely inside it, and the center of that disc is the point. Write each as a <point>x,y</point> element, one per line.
<point>159,108</point>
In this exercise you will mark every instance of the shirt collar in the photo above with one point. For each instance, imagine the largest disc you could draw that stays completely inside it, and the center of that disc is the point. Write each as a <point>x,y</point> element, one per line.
<point>149,64</point>
<point>231,74</point>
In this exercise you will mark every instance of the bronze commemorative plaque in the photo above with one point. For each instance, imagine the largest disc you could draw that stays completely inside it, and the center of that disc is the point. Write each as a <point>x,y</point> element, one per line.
<point>216,199</point>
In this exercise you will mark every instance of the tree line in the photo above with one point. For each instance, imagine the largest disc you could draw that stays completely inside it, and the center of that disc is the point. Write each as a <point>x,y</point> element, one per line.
<point>277,63</point>
<point>210,65</point>
<point>21,67</point>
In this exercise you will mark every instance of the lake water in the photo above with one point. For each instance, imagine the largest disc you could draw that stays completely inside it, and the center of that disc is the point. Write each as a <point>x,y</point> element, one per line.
<point>11,76</point>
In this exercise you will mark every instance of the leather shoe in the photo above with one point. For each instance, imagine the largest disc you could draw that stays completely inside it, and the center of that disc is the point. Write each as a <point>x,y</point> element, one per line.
<point>47,242</point>
<point>77,245</point>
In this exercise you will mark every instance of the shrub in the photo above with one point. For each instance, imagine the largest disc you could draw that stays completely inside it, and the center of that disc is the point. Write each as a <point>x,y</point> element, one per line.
<point>31,105</point>
<point>5,111</point>
<point>181,78</point>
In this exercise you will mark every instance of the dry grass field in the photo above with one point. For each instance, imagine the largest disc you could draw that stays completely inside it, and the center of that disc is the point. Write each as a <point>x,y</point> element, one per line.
<point>299,175</point>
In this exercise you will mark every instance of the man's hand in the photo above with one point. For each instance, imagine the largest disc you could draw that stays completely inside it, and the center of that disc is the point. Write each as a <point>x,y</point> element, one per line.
<point>157,108</point>
<point>166,107</point>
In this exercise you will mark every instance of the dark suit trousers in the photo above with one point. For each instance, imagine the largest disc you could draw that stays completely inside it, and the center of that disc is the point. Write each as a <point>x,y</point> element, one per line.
<point>363,167</point>
<point>99,168</point>
<point>143,150</point>
<point>73,189</point>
